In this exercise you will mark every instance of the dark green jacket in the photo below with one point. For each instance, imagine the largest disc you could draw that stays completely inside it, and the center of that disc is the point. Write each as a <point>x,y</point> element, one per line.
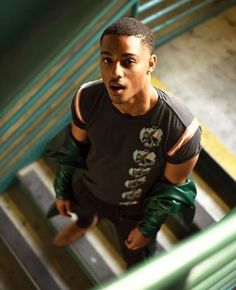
<point>71,157</point>
<point>166,199</point>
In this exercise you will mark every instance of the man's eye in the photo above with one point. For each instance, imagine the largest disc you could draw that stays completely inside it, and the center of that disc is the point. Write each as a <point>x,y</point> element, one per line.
<point>129,62</point>
<point>107,60</point>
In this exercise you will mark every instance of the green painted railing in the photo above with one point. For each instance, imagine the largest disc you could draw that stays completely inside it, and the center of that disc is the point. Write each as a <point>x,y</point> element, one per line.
<point>205,261</point>
<point>169,19</point>
<point>41,108</point>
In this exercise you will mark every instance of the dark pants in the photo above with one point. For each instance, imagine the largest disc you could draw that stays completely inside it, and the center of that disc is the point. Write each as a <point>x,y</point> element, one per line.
<point>124,218</point>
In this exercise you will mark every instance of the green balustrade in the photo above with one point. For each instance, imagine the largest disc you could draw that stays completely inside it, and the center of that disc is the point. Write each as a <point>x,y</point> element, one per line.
<point>204,261</point>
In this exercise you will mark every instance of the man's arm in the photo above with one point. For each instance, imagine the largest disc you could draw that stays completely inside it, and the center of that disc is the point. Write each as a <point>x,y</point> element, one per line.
<point>80,135</point>
<point>64,176</point>
<point>178,173</point>
<point>175,174</point>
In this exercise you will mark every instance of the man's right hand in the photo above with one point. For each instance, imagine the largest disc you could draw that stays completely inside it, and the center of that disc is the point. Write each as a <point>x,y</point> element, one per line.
<point>63,206</point>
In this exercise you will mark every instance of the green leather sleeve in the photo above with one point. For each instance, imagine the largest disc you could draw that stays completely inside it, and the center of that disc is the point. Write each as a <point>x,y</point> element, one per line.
<point>70,157</point>
<point>165,199</point>
<point>63,182</point>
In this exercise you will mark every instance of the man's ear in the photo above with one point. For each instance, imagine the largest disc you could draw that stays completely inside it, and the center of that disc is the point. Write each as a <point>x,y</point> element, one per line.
<point>152,62</point>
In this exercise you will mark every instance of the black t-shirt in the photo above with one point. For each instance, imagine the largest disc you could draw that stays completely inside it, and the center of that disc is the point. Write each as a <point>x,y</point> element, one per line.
<point>128,154</point>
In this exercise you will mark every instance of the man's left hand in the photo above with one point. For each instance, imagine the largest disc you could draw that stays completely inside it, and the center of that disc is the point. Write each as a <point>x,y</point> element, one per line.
<point>136,240</point>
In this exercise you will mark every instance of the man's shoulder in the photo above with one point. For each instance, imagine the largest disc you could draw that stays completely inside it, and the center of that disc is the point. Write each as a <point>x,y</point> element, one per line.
<point>176,108</point>
<point>91,99</point>
<point>92,93</point>
<point>93,85</point>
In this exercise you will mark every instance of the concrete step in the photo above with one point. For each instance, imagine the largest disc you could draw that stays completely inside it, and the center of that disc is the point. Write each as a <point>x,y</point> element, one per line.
<point>11,271</point>
<point>97,255</point>
<point>32,254</point>
<point>30,261</point>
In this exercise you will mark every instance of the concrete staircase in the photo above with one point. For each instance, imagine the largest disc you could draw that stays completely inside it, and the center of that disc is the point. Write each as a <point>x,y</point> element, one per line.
<point>27,258</point>
<point>93,259</point>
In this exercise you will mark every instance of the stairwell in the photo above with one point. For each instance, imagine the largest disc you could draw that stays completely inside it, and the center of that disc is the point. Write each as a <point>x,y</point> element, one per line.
<point>28,260</point>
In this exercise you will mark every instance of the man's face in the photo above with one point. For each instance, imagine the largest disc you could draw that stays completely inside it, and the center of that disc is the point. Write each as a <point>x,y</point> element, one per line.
<point>124,62</point>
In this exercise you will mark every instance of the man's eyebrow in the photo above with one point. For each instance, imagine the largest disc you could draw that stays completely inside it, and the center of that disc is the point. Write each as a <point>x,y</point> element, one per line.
<point>129,54</point>
<point>123,54</point>
<point>105,52</point>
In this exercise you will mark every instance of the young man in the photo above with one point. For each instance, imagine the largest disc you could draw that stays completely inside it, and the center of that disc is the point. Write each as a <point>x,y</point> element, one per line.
<point>138,144</point>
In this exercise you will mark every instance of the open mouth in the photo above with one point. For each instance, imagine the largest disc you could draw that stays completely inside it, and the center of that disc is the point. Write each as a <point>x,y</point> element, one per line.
<point>116,87</point>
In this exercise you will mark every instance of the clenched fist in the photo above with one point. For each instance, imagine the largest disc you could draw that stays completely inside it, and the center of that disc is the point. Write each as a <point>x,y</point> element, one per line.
<point>136,240</point>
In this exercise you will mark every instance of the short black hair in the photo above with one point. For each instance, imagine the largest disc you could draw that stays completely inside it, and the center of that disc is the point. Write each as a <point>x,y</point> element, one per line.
<point>130,26</point>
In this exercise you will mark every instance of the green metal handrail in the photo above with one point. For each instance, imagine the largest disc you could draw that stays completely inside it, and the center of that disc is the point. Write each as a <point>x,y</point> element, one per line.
<point>148,5</point>
<point>178,17</point>
<point>202,261</point>
<point>167,10</point>
<point>182,15</point>
<point>58,76</point>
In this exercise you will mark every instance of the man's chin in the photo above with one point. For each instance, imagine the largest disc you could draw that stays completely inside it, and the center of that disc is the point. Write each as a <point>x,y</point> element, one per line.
<point>117,101</point>
<point>118,98</point>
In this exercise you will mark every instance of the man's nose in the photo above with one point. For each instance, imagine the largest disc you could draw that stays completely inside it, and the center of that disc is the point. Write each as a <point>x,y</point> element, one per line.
<point>117,71</point>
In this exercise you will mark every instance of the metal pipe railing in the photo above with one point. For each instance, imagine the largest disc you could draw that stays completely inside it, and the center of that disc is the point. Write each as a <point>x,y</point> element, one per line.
<point>149,5</point>
<point>174,268</point>
<point>165,11</point>
<point>181,15</point>
<point>217,262</point>
<point>218,279</point>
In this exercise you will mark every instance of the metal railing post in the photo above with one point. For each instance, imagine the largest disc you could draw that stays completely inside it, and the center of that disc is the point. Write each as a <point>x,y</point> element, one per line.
<point>134,10</point>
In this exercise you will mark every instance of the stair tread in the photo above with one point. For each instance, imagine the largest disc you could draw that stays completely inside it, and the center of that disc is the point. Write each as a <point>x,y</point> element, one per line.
<point>11,273</point>
<point>82,248</point>
<point>39,236</point>
<point>28,258</point>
